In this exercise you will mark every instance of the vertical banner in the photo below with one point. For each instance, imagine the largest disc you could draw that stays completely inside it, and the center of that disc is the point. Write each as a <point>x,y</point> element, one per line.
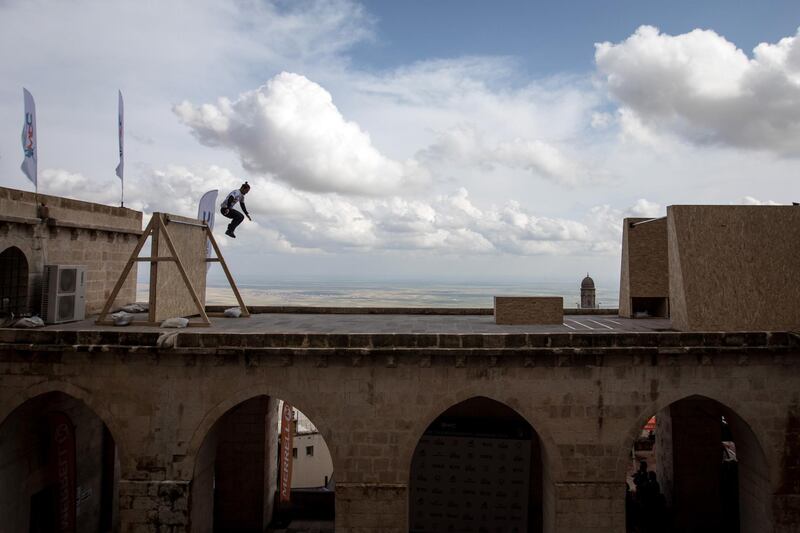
<point>205,212</point>
<point>62,462</point>
<point>285,484</point>
<point>29,146</point>
<point>121,131</point>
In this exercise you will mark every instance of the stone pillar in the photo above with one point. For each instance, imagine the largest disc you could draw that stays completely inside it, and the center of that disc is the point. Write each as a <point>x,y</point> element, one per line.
<point>153,506</point>
<point>589,507</point>
<point>371,507</point>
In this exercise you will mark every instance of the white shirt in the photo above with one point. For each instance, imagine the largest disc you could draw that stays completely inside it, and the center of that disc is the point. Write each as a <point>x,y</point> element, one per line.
<point>236,195</point>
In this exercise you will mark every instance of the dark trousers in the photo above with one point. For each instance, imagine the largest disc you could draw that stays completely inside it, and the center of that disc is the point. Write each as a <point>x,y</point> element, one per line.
<point>236,217</point>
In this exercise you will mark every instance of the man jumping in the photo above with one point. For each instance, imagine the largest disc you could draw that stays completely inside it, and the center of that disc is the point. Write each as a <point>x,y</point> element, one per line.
<point>228,211</point>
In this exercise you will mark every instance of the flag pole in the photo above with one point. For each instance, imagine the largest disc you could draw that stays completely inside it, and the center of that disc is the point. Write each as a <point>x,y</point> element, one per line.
<point>121,132</point>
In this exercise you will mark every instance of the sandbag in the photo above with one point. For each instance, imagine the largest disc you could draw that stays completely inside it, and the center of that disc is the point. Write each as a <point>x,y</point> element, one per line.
<point>233,312</point>
<point>176,322</point>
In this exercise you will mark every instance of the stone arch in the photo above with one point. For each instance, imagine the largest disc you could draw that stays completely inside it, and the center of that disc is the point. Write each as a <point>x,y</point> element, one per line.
<point>14,281</point>
<point>203,454</point>
<point>753,467</point>
<point>32,429</point>
<point>665,400</point>
<point>538,480</point>
<point>217,411</point>
<point>99,408</point>
<point>550,453</point>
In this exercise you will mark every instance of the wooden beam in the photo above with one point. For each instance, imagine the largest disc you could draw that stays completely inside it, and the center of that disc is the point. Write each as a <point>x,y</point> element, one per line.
<point>125,272</point>
<point>242,306</point>
<point>154,259</point>
<point>153,297</point>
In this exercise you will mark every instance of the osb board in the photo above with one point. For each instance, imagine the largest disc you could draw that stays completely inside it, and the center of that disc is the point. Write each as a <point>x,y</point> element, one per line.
<point>173,297</point>
<point>528,310</point>
<point>733,268</point>
<point>645,265</point>
<point>470,484</point>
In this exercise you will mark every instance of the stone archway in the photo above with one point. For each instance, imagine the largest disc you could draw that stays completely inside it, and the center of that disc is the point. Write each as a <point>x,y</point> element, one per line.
<point>235,477</point>
<point>477,465</point>
<point>59,464</point>
<point>710,471</point>
<point>13,281</point>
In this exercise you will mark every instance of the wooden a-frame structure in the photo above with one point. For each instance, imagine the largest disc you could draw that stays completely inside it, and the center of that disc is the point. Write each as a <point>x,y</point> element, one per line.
<point>157,228</point>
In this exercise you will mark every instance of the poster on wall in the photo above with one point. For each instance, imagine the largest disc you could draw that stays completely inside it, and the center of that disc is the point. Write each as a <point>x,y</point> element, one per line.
<point>62,470</point>
<point>470,484</point>
<point>285,484</point>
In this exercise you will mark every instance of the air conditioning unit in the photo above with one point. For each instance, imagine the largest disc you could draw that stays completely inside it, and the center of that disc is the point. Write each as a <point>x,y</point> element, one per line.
<point>63,293</point>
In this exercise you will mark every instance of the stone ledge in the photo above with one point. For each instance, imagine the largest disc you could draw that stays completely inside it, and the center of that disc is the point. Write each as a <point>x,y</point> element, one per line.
<point>208,342</point>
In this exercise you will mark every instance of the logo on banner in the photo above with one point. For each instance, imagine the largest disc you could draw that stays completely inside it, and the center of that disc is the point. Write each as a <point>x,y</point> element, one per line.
<point>29,147</point>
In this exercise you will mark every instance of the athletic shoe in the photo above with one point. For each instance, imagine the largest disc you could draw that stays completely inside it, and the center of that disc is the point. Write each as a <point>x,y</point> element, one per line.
<point>229,233</point>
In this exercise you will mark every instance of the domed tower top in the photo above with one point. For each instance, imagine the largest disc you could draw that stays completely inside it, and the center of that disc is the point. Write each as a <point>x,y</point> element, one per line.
<point>588,293</point>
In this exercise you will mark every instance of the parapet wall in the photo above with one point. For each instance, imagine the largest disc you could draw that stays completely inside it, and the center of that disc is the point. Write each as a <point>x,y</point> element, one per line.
<point>54,230</point>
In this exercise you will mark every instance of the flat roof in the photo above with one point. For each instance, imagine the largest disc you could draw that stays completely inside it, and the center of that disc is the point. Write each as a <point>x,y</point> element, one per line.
<point>311,323</point>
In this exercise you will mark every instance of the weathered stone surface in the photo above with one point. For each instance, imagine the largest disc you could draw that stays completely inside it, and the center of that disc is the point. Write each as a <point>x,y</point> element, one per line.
<point>586,395</point>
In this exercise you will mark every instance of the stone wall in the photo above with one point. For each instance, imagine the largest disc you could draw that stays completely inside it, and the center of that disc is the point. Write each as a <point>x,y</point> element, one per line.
<point>54,230</point>
<point>372,397</point>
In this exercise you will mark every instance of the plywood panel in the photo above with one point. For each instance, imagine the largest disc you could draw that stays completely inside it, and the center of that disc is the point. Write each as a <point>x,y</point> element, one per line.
<point>528,309</point>
<point>173,297</point>
<point>734,267</point>
<point>644,272</point>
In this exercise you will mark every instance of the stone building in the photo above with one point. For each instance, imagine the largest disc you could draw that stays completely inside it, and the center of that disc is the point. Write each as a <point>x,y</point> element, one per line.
<point>38,230</point>
<point>588,293</point>
<point>154,433</point>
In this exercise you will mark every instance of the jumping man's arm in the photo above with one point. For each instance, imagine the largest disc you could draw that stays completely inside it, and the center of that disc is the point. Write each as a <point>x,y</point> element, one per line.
<point>244,208</point>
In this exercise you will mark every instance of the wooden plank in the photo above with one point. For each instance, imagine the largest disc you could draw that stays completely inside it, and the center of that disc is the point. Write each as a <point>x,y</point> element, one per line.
<point>242,306</point>
<point>213,260</point>
<point>153,259</point>
<point>125,272</point>
<point>153,298</point>
<point>185,276</point>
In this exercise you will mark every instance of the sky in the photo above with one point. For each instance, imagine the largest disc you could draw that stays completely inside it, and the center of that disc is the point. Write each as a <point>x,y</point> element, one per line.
<point>449,141</point>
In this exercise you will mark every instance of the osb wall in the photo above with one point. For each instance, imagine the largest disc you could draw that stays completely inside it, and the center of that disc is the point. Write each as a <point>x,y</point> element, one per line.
<point>644,272</point>
<point>733,267</point>
<point>71,232</point>
<point>173,297</point>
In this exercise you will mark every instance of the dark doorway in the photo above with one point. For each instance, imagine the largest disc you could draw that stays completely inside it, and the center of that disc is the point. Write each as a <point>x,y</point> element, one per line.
<point>13,282</point>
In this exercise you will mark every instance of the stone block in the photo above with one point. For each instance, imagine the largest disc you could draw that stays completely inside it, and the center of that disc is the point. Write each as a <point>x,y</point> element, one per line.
<point>528,309</point>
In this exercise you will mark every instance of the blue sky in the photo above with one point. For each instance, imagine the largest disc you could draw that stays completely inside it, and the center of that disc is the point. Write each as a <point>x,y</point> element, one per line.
<point>411,140</point>
<point>555,37</point>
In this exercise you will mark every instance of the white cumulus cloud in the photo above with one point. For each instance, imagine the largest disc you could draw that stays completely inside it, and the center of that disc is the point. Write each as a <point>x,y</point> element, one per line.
<point>703,88</point>
<point>291,129</point>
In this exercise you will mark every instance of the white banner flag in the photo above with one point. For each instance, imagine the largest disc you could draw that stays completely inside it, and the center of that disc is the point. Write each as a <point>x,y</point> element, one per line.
<point>121,125</point>
<point>205,212</point>
<point>29,145</point>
